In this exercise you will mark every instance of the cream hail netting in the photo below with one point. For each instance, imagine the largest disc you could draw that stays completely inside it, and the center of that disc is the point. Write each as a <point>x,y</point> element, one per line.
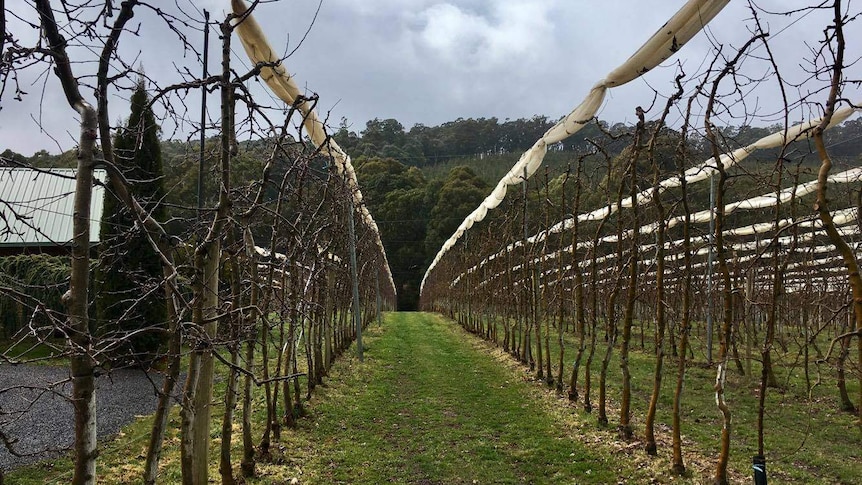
<point>706,169</point>
<point>671,37</point>
<point>702,172</point>
<point>282,85</point>
<point>808,230</point>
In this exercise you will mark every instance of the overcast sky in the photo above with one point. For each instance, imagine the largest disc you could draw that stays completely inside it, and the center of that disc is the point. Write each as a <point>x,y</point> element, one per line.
<point>431,61</point>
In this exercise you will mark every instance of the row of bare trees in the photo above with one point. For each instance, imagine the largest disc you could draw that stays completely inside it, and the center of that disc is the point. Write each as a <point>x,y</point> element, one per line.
<point>645,269</point>
<point>258,287</point>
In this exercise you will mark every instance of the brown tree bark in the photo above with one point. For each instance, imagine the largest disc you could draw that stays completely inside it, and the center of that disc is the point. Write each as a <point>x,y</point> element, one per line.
<point>195,430</point>
<point>76,299</point>
<point>234,321</point>
<point>840,365</point>
<point>611,329</point>
<point>720,477</point>
<point>649,427</point>
<point>625,427</point>
<point>678,466</point>
<point>158,239</point>
<point>580,318</point>
<point>822,204</point>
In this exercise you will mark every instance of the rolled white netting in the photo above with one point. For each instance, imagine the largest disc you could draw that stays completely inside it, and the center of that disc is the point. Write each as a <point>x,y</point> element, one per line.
<point>670,38</point>
<point>283,85</point>
<point>704,171</point>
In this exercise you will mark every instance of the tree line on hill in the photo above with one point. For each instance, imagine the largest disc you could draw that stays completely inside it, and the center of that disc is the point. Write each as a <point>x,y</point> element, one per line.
<point>464,138</point>
<point>420,183</point>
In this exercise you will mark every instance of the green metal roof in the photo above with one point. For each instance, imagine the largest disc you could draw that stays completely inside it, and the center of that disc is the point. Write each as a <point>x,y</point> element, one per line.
<point>37,206</point>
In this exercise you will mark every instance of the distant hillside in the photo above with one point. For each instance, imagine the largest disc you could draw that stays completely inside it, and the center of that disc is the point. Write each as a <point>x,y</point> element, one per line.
<point>487,145</point>
<point>420,183</point>
<point>491,147</point>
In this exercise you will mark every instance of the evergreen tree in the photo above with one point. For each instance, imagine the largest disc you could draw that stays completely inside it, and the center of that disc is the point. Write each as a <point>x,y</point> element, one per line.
<point>460,194</point>
<point>130,303</point>
<point>395,194</point>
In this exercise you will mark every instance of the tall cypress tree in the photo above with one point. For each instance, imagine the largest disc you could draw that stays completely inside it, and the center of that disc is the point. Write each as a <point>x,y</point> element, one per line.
<point>130,304</point>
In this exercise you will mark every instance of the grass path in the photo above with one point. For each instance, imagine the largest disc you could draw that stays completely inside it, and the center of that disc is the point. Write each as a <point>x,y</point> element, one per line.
<point>428,407</point>
<point>432,404</point>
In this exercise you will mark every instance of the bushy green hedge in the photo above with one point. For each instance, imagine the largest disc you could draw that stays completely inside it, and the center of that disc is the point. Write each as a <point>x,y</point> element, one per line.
<point>39,279</point>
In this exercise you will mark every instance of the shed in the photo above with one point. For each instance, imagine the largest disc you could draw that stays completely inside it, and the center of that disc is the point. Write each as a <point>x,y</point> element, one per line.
<point>36,207</point>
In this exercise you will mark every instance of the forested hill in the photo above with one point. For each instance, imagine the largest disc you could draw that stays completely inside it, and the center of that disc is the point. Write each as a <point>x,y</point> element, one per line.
<point>420,183</point>
<point>426,146</point>
<point>487,145</point>
<point>429,147</point>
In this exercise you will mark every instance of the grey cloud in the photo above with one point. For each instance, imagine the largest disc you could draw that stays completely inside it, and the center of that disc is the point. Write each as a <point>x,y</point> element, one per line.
<point>501,58</point>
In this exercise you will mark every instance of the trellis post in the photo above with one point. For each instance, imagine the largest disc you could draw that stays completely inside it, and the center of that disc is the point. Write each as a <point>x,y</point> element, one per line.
<point>354,276</point>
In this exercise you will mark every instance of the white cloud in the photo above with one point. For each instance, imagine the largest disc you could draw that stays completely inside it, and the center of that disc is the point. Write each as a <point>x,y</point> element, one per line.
<point>374,8</point>
<point>481,40</point>
<point>429,61</point>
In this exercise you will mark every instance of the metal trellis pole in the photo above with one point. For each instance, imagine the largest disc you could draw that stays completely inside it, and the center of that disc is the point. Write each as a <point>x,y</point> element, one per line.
<point>203,113</point>
<point>354,274</point>
<point>709,268</point>
<point>377,293</point>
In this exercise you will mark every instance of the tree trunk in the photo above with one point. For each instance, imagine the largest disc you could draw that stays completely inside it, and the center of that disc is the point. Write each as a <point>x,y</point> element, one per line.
<point>650,445</point>
<point>160,419</point>
<point>611,325</point>
<point>225,466</point>
<point>248,330</point>
<point>822,204</point>
<point>235,322</point>
<point>720,477</point>
<point>580,318</point>
<point>625,427</point>
<point>594,323</point>
<point>76,299</point>
<point>678,466</point>
<point>196,437</point>
<point>844,343</point>
<point>158,239</point>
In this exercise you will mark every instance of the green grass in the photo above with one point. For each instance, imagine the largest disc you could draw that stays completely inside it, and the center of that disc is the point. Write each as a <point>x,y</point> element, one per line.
<point>30,351</point>
<point>806,440</point>
<point>433,404</point>
<point>426,406</point>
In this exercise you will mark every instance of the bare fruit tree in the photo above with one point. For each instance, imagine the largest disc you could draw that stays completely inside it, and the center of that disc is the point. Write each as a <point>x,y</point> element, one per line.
<point>225,300</point>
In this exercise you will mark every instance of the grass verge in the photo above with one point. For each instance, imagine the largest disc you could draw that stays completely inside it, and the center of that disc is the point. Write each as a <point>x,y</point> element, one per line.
<point>807,439</point>
<point>425,406</point>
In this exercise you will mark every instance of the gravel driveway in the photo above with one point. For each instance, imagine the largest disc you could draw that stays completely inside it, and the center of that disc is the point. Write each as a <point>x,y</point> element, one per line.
<point>43,422</point>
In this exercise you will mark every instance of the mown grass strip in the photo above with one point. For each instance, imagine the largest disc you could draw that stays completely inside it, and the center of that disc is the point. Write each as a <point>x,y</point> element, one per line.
<point>428,407</point>
<point>808,441</point>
